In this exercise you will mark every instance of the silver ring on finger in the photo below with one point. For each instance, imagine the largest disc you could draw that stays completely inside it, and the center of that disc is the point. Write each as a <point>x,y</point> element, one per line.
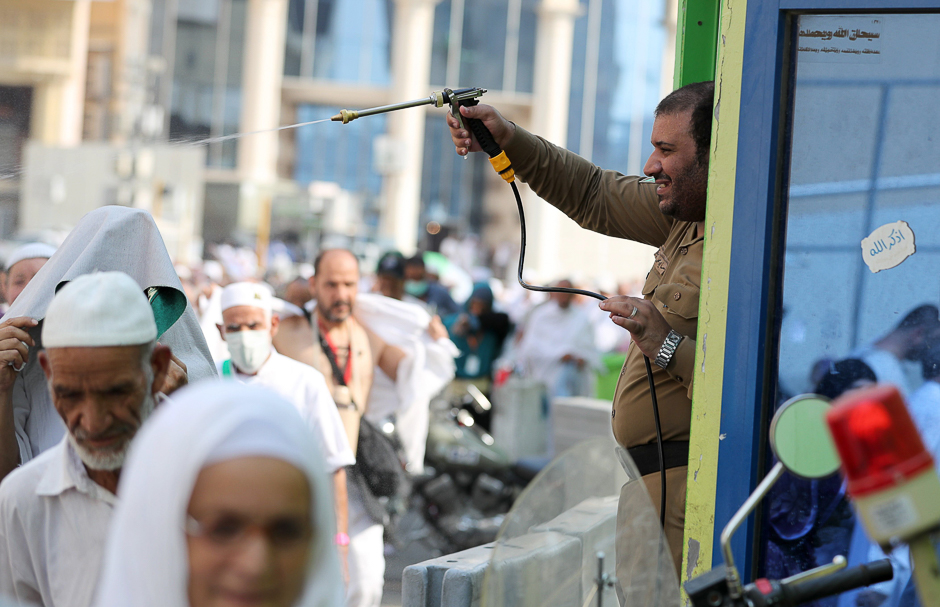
<point>635,310</point>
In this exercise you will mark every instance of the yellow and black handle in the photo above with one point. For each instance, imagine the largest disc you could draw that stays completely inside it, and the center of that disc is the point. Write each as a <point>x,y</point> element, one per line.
<point>498,157</point>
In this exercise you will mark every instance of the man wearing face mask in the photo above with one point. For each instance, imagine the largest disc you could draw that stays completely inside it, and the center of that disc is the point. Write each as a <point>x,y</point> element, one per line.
<point>248,328</point>
<point>432,293</point>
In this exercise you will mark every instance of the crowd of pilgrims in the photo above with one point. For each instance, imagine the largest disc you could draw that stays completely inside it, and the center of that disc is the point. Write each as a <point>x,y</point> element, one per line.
<point>175,442</point>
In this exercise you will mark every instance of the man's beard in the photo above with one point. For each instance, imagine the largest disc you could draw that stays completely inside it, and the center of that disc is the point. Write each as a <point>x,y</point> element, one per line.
<point>112,458</point>
<point>686,200</point>
<point>331,315</point>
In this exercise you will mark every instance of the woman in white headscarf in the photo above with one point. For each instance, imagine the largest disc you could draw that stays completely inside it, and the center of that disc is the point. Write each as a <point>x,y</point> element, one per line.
<point>223,500</point>
<point>111,238</point>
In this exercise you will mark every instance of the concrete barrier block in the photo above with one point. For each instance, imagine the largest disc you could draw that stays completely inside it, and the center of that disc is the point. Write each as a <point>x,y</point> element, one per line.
<point>535,570</point>
<point>594,523</point>
<point>423,583</point>
<point>578,418</point>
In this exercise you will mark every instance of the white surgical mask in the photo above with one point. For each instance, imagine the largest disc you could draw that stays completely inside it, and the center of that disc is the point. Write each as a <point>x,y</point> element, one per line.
<point>249,349</point>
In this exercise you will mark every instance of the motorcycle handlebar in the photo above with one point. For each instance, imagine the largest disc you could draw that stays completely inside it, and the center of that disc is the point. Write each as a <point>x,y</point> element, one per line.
<point>786,595</point>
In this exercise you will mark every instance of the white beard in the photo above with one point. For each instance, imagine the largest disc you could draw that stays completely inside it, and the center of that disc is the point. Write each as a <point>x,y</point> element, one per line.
<point>112,459</point>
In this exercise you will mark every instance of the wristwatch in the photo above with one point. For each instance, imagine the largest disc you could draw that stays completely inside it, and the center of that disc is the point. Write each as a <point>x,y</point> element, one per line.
<point>667,350</point>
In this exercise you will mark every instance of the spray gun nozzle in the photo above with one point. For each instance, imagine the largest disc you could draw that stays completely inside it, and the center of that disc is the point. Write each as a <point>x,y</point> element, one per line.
<point>345,116</point>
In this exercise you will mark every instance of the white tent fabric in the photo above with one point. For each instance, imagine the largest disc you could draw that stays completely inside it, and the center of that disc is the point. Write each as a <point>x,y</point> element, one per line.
<point>110,238</point>
<point>145,562</point>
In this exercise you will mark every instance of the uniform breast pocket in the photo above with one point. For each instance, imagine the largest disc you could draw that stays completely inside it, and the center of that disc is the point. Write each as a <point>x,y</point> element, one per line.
<point>679,299</point>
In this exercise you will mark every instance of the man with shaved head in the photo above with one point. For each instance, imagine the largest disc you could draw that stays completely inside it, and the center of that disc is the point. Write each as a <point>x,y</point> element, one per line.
<point>347,354</point>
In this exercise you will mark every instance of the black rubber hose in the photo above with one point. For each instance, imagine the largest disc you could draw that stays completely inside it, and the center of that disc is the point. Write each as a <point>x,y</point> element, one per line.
<point>659,442</point>
<point>649,369</point>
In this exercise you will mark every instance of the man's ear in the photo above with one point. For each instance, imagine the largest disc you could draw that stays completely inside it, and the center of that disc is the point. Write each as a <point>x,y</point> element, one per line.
<point>44,363</point>
<point>221,331</point>
<point>160,363</point>
<point>275,323</point>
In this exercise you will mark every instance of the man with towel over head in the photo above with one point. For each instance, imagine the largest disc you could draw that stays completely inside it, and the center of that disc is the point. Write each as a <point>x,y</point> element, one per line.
<point>103,368</point>
<point>111,238</point>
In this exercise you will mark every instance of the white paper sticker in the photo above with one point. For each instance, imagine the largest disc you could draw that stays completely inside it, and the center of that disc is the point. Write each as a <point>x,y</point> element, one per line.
<point>893,516</point>
<point>842,38</point>
<point>888,246</point>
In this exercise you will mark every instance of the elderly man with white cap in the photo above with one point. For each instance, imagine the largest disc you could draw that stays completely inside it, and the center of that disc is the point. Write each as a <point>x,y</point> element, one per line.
<point>102,367</point>
<point>248,328</point>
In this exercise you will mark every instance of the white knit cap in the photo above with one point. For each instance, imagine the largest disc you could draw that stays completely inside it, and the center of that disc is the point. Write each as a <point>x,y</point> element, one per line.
<point>252,294</point>
<point>33,250</point>
<point>96,310</point>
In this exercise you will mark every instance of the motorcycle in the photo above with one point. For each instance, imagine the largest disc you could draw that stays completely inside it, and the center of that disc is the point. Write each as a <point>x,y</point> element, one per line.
<point>799,438</point>
<point>468,483</point>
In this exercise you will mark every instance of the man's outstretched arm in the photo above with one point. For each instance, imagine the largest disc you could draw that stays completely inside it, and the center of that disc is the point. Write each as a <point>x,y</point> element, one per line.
<point>600,200</point>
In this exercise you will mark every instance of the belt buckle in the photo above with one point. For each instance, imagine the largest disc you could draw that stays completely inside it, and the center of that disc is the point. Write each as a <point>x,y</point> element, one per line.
<point>627,463</point>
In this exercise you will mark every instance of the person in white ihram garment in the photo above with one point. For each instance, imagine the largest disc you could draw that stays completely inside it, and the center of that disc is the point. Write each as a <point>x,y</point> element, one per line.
<point>907,342</point>
<point>110,238</point>
<point>241,516</point>
<point>557,346</point>
<point>248,328</point>
<point>350,356</point>
<point>22,265</point>
<point>103,367</point>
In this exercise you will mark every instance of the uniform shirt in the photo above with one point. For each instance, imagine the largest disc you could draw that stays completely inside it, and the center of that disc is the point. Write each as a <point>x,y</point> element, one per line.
<point>53,524</point>
<point>306,389</point>
<point>619,206</point>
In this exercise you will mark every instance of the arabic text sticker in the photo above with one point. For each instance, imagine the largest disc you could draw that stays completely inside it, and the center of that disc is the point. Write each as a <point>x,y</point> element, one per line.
<point>840,38</point>
<point>888,246</point>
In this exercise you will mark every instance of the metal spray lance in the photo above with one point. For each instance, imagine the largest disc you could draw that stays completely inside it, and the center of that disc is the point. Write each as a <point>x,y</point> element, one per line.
<point>467,97</point>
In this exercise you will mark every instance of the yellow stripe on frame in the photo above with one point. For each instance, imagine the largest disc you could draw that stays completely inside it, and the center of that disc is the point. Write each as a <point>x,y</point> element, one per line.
<point>713,305</point>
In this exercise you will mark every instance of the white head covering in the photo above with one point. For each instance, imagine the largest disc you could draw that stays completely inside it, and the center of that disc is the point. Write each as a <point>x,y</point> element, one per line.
<point>115,238</point>
<point>145,563</point>
<point>101,309</point>
<point>111,238</point>
<point>251,294</point>
<point>33,250</point>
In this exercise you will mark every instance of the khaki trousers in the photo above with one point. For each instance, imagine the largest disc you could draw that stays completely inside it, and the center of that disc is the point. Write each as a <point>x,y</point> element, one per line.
<point>636,527</point>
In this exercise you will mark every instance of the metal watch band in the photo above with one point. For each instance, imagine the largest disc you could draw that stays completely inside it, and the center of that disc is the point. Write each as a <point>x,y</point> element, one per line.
<point>667,350</point>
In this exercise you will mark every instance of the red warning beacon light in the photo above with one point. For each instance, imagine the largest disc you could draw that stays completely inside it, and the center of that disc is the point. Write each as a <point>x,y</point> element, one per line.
<point>891,476</point>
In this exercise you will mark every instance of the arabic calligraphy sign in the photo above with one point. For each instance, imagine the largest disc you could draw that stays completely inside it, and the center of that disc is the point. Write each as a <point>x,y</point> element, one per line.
<point>888,246</point>
<point>843,38</point>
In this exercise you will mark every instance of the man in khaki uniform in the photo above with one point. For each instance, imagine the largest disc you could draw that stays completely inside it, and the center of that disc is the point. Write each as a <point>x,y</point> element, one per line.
<point>669,215</point>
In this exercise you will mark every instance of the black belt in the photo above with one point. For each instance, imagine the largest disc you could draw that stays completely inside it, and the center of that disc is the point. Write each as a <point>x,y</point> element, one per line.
<point>646,457</point>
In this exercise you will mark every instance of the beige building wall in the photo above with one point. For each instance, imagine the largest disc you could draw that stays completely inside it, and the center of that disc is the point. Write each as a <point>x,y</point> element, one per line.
<point>44,44</point>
